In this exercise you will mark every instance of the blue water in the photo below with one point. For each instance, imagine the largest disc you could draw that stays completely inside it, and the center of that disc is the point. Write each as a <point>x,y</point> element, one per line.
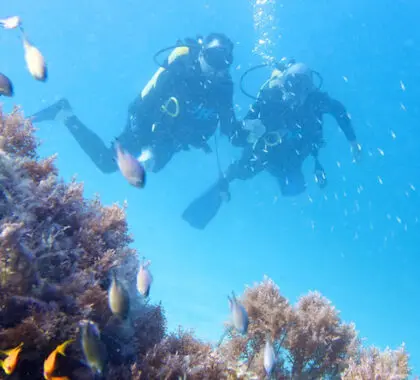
<point>356,241</point>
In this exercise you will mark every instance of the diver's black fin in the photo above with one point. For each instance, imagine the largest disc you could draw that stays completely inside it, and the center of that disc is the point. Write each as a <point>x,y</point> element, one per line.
<point>204,208</point>
<point>50,113</point>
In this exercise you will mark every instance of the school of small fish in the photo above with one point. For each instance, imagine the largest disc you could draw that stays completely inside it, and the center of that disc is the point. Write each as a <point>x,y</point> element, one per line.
<point>35,62</point>
<point>94,349</point>
<point>132,169</point>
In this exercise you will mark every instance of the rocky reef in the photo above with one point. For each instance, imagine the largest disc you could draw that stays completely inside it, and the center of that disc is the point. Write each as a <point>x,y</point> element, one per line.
<point>57,250</point>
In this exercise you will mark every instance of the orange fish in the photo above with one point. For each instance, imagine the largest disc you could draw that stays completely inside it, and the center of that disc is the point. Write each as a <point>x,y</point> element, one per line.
<point>51,362</point>
<point>9,364</point>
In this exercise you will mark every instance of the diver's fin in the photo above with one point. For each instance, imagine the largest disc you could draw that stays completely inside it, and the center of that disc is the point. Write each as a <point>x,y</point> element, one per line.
<point>51,112</point>
<point>204,208</point>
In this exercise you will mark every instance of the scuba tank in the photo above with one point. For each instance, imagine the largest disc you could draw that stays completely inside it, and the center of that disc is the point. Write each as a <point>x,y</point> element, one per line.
<point>194,45</point>
<point>278,70</point>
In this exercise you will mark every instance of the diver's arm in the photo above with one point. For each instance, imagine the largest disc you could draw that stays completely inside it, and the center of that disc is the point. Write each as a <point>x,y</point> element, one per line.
<point>226,112</point>
<point>248,166</point>
<point>244,128</point>
<point>231,127</point>
<point>339,112</point>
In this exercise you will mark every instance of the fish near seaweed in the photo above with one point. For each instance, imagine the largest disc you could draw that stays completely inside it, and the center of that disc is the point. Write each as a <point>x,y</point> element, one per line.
<point>118,298</point>
<point>50,364</point>
<point>132,170</point>
<point>144,278</point>
<point>12,22</point>
<point>35,61</point>
<point>94,349</point>
<point>12,356</point>
<point>239,315</point>
<point>269,356</point>
<point>6,86</point>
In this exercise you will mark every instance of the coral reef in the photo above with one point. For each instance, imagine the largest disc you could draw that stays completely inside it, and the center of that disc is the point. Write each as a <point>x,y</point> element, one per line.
<point>310,340</point>
<point>57,251</point>
<point>370,363</point>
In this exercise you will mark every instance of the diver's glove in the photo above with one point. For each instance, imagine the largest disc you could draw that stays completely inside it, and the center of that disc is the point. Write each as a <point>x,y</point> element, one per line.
<point>320,176</point>
<point>256,129</point>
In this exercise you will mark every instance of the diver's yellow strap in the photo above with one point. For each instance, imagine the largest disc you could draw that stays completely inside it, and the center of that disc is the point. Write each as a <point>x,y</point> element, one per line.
<point>273,138</point>
<point>164,107</point>
<point>175,54</point>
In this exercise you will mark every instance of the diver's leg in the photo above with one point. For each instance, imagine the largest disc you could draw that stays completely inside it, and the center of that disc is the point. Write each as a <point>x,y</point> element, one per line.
<point>204,208</point>
<point>89,141</point>
<point>53,112</point>
<point>101,155</point>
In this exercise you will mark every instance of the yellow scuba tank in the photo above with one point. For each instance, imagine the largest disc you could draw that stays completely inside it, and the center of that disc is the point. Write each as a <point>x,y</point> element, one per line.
<point>176,53</point>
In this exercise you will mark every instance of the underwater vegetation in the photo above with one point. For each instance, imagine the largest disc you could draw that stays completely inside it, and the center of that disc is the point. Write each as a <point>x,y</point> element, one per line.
<point>75,305</point>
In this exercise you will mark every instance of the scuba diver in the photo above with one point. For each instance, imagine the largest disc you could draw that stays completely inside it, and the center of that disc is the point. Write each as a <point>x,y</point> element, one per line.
<point>181,106</point>
<point>282,128</point>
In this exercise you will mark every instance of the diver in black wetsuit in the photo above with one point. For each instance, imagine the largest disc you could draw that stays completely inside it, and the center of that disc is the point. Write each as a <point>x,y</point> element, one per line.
<point>180,107</point>
<point>282,128</point>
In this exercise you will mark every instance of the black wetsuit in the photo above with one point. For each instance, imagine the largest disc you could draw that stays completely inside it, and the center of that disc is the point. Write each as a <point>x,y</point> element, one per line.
<point>303,137</point>
<point>203,102</point>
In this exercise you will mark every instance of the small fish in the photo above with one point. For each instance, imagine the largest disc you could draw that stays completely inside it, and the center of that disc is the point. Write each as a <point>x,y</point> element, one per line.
<point>10,362</point>
<point>10,22</point>
<point>93,347</point>
<point>35,61</point>
<point>6,86</point>
<point>239,315</point>
<point>144,279</point>
<point>118,299</point>
<point>130,168</point>
<point>269,356</point>
<point>50,364</point>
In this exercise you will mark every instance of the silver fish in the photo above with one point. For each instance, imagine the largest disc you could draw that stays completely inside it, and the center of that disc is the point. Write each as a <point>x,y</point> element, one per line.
<point>144,278</point>
<point>10,22</point>
<point>269,356</point>
<point>118,299</point>
<point>35,61</point>
<point>239,314</point>
<point>6,86</point>
<point>93,348</point>
<point>130,168</point>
